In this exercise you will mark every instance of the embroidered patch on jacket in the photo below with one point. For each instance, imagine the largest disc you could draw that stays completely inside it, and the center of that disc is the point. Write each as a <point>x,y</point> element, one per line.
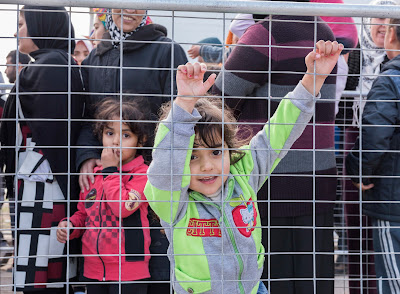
<point>203,228</point>
<point>90,197</point>
<point>245,217</point>
<point>132,203</point>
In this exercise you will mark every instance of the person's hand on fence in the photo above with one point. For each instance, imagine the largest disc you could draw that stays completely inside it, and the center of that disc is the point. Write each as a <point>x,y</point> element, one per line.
<point>363,187</point>
<point>320,64</point>
<point>189,81</point>
<point>62,231</point>
<point>194,51</point>
<point>86,173</point>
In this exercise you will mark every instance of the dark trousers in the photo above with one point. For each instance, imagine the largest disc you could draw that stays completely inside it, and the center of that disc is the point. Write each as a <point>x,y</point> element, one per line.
<point>291,259</point>
<point>159,288</point>
<point>361,253</point>
<point>126,288</point>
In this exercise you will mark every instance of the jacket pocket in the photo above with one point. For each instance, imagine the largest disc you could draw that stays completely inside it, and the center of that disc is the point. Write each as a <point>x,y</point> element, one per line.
<point>134,237</point>
<point>190,284</point>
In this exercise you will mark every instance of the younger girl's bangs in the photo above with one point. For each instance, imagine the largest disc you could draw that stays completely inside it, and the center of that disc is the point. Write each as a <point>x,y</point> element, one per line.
<point>208,135</point>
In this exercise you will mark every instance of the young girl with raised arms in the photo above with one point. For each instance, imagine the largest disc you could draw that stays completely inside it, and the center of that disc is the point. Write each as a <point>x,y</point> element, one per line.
<point>115,200</point>
<point>204,189</point>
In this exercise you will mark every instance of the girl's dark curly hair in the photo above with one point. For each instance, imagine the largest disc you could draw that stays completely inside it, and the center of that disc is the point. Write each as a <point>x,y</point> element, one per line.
<point>134,115</point>
<point>214,116</point>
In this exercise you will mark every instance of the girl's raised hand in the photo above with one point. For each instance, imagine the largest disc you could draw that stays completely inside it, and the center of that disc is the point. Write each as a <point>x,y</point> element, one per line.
<point>189,79</point>
<point>324,57</point>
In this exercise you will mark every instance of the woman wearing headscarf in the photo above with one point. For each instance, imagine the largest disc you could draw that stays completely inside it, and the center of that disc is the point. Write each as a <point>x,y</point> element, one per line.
<point>146,61</point>
<point>134,58</point>
<point>41,104</point>
<point>99,25</point>
<point>370,45</point>
<point>83,47</point>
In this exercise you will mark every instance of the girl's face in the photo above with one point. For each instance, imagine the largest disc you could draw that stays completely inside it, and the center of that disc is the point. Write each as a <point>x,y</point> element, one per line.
<point>26,46</point>
<point>378,31</point>
<point>98,31</point>
<point>111,138</point>
<point>80,52</point>
<point>209,169</point>
<point>129,21</point>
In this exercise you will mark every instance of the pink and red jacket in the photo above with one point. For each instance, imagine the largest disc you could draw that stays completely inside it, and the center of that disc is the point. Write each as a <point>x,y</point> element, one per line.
<point>113,215</point>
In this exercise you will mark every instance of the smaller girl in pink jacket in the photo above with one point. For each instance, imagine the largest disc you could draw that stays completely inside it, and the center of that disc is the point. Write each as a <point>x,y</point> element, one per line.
<point>112,214</point>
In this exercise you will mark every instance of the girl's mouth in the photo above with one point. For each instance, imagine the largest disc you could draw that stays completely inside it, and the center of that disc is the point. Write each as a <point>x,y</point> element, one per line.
<point>208,180</point>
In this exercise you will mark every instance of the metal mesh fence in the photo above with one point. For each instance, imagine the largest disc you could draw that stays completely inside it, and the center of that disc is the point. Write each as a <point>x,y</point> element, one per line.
<point>282,211</point>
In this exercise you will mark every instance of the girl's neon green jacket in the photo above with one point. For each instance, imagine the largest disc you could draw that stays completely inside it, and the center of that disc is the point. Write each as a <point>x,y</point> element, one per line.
<point>215,246</point>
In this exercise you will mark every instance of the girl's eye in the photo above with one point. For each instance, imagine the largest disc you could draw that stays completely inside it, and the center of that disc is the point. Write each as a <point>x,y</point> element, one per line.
<point>125,135</point>
<point>217,152</point>
<point>193,157</point>
<point>109,133</point>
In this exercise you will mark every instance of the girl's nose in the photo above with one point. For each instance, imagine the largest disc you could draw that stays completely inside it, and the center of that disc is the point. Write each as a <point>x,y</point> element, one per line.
<point>206,165</point>
<point>116,140</point>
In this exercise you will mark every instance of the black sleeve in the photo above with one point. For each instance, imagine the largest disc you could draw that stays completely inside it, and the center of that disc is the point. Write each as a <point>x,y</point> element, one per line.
<point>87,138</point>
<point>378,120</point>
<point>354,69</point>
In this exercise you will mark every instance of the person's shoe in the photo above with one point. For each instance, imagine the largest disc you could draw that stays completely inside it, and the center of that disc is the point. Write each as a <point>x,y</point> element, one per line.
<point>9,265</point>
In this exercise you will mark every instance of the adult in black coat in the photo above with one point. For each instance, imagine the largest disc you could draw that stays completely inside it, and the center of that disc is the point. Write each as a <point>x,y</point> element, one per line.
<point>147,71</point>
<point>137,59</point>
<point>41,100</point>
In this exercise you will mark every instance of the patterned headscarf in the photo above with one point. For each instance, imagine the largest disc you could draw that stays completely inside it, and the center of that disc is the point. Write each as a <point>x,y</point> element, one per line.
<point>115,32</point>
<point>372,58</point>
<point>101,14</point>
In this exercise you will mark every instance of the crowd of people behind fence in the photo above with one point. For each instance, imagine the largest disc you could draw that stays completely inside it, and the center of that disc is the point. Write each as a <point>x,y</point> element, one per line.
<point>118,188</point>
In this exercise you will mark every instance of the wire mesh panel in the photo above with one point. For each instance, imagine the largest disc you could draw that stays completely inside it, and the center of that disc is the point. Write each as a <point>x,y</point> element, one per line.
<point>126,170</point>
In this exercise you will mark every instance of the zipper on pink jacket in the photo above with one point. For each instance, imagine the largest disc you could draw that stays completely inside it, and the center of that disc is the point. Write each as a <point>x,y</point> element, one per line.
<point>98,237</point>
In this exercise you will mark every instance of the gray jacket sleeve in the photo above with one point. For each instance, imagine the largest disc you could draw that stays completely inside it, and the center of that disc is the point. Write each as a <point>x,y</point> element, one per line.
<point>169,172</point>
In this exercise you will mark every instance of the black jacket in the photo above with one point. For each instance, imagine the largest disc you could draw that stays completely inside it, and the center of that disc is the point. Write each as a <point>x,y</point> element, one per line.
<point>147,72</point>
<point>48,74</point>
<point>381,135</point>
